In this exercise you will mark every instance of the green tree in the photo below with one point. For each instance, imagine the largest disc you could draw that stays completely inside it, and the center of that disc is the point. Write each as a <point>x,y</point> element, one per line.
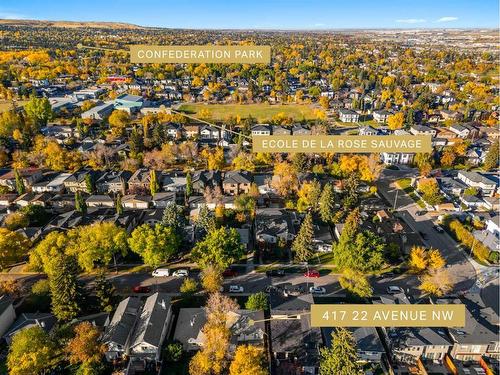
<point>64,289</point>
<point>220,248</point>
<point>356,283</point>
<point>173,217</point>
<point>13,247</point>
<point>38,110</point>
<point>189,185</point>
<point>302,245</point>
<point>20,188</point>
<point>492,157</point>
<point>118,122</point>
<point>119,205</point>
<point>189,286</point>
<point>32,352</point>
<point>155,245</point>
<point>89,183</point>
<point>341,357</point>
<point>153,183</point>
<point>327,204</point>
<point>47,253</point>
<point>96,244</point>
<point>80,204</point>
<point>257,301</point>
<point>104,291</point>
<point>206,219</point>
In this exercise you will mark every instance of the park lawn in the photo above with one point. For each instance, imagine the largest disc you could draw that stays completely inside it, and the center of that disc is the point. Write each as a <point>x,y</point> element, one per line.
<point>262,112</point>
<point>7,104</point>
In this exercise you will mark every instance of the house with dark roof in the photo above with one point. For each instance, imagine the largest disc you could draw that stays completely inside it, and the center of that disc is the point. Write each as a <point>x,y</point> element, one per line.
<point>480,336</point>
<point>152,327</point>
<point>46,321</point>
<point>261,129</point>
<point>237,182</point>
<point>203,179</point>
<point>479,181</point>
<point>113,182</point>
<point>271,224</point>
<point>78,180</point>
<point>7,314</point>
<point>348,115</point>
<point>381,116</point>
<point>30,176</point>
<point>423,130</point>
<point>118,334</point>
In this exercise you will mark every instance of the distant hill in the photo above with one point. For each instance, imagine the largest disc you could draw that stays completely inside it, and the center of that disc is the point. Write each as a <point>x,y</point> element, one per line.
<point>70,24</point>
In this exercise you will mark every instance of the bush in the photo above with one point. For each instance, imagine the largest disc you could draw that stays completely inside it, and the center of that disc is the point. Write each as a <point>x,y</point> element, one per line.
<point>173,352</point>
<point>189,286</point>
<point>494,257</point>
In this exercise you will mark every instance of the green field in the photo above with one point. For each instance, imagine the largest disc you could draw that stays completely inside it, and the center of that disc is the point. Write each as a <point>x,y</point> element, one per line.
<point>262,112</point>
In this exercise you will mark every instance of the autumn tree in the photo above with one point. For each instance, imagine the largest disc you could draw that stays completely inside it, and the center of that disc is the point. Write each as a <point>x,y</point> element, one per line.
<point>430,191</point>
<point>285,179</point>
<point>309,195</point>
<point>118,122</point>
<point>248,359</point>
<point>32,351</point>
<point>396,121</point>
<point>38,110</point>
<point>302,245</point>
<point>211,279</point>
<point>341,357</point>
<point>492,157</point>
<point>20,188</point>
<point>86,345</point>
<point>437,282</point>
<point>155,245</point>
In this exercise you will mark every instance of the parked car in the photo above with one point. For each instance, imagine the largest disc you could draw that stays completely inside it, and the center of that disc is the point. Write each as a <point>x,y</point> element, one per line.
<point>229,273</point>
<point>275,273</point>
<point>438,229</point>
<point>235,289</point>
<point>317,290</point>
<point>181,273</point>
<point>294,292</point>
<point>311,273</point>
<point>160,272</point>
<point>421,213</point>
<point>393,289</point>
<point>141,289</point>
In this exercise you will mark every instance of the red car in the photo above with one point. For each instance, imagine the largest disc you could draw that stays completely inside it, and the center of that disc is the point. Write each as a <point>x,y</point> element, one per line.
<point>141,289</point>
<point>229,273</point>
<point>312,273</point>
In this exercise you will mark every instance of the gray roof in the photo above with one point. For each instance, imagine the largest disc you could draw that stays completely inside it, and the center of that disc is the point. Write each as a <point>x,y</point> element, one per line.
<point>5,302</point>
<point>481,322</point>
<point>152,319</point>
<point>477,177</point>
<point>367,338</point>
<point>27,320</point>
<point>122,324</point>
<point>238,177</point>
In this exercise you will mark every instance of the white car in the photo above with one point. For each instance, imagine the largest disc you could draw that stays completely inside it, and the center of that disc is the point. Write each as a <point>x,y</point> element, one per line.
<point>235,289</point>
<point>317,290</point>
<point>393,289</point>
<point>160,272</point>
<point>181,273</point>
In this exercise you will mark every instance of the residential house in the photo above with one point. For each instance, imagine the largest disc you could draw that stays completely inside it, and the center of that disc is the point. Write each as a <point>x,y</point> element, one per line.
<point>118,334</point>
<point>46,321</point>
<point>173,130</point>
<point>30,176</point>
<point>451,186</point>
<point>480,336</point>
<point>423,130</point>
<point>210,132</point>
<point>381,116</point>
<point>7,314</point>
<point>272,224</point>
<point>136,202</point>
<point>408,344</point>
<point>190,322</point>
<point>100,200</point>
<point>451,115</point>
<point>192,131</point>
<point>298,129</point>
<point>261,129</point>
<point>465,131</point>
<point>164,198</point>
<point>7,199</point>
<point>479,181</point>
<point>140,180</point>
<point>237,182</point>
<point>347,115</point>
<point>113,182</point>
<point>204,179</point>
<point>280,130</point>
<point>78,180</point>
<point>368,130</point>
<point>99,112</point>
<point>152,327</point>
<point>32,198</point>
<point>54,183</point>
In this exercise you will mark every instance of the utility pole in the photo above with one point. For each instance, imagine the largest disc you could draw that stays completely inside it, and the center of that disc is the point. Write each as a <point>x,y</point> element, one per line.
<point>395,200</point>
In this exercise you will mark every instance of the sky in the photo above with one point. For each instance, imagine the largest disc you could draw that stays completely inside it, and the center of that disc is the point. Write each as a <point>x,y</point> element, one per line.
<point>265,14</point>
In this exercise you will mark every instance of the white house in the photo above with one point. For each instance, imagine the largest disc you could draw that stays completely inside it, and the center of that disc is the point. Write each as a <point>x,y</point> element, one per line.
<point>347,115</point>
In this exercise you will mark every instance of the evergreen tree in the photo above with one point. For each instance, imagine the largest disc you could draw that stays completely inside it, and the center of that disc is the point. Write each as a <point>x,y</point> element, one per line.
<point>104,291</point>
<point>206,219</point>
<point>64,289</point>
<point>20,188</point>
<point>80,204</point>
<point>491,160</point>
<point>351,195</point>
<point>302,245</point>
<point>189,185</point>
<point>341,357</point>
<point>153,183</point>
<point>327,204</point>
<point>173,217</point>
<point>89,183</point>
<point>119,206</point>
